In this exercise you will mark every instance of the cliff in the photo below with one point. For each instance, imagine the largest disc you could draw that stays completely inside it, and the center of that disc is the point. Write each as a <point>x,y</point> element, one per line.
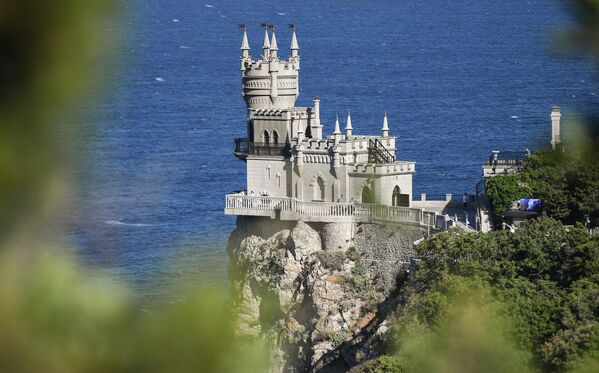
<point>319,292</point>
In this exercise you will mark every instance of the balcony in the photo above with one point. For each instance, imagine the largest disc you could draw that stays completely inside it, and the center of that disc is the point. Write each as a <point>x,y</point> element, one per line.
<point>285,208</point>
<point>244,148</point>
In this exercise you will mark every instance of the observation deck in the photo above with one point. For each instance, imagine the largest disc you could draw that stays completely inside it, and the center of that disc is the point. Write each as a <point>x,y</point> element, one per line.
<point>285,208</point>
<point>244,147</point>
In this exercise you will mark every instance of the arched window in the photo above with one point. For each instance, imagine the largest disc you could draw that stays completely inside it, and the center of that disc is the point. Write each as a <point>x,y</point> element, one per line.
<point>399,199</point>
<point>275,137</point>
<point>251,131</point>
<point>266,137</point>
<point>319,192</point>
<point>367,195</point>
<point>395,197</point>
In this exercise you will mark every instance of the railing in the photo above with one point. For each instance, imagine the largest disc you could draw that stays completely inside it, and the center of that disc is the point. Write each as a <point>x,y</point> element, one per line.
<point>503,157</point>
<point>377,153</point>
<point>244,147</point>
<point>236,204</point>
<point>235,201</point>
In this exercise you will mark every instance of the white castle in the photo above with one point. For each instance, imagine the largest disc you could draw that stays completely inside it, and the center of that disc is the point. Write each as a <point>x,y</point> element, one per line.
<point>295,172</point>
<point>287,154</point>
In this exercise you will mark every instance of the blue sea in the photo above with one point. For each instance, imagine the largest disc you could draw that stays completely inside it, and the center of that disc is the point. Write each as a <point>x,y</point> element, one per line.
<point>457,78</point>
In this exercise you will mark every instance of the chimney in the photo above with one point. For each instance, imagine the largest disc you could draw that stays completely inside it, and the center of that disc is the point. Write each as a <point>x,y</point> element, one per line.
<point>555,128</point>
<point>316,128</point>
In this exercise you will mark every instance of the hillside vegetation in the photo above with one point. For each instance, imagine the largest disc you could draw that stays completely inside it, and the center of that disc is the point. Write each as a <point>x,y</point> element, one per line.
<point>567,183</point>
<point>500,302</point>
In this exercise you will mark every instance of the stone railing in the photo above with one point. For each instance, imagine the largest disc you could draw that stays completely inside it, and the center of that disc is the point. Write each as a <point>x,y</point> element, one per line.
<point>285,208</point>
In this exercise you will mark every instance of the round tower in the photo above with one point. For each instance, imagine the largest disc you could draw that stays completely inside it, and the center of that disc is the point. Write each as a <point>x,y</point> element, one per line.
<point>272,83</point>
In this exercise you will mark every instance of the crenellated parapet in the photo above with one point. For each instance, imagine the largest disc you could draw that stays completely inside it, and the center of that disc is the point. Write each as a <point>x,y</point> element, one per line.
<point>270,82</point>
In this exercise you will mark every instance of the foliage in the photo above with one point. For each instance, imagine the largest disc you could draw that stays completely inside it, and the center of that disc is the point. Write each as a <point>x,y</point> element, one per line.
<point>48,54</point>
<point>567,183</point>
<point>502,190</point>
<point>539,290</point>
<point>55,315</point>
<point>382,364</point>
<point>332,260</point>
<point>56,318</point>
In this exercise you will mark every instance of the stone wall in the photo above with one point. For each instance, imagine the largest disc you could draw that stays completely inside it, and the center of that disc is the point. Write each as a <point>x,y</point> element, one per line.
<point>315,292</point>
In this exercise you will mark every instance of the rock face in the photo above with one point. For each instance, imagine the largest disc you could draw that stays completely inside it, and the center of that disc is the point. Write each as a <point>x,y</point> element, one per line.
<point>319,295</point>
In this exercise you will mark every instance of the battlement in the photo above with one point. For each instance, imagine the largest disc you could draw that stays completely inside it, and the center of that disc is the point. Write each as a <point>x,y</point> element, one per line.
<point>270,82</point>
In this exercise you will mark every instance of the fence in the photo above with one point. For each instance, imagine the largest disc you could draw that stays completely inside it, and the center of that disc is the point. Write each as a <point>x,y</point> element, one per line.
<point>292,209</point>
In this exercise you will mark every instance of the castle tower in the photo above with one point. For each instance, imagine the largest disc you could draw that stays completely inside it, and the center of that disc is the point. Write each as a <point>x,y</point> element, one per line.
<point>270,83</point>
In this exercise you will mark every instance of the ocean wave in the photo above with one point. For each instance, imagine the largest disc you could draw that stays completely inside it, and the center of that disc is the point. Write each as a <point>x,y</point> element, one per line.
<point>119,222</point>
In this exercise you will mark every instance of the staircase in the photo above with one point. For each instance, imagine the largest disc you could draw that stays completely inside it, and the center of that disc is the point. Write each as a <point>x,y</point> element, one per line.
<point>377,153</point>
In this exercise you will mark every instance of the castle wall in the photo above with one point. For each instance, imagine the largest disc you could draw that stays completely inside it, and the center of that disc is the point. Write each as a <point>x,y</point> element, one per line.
<point>381,187</point>
<point>310,185</point>
<point>387,183</point>
<point>280,125</point>
<point>268,175</point>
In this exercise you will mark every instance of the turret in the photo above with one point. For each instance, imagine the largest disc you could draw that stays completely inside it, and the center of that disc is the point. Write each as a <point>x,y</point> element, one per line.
<point>348,127</point>
<point>269,83</point>
<point>266,45</point>
<point>337,131</point>
<point>273,69</point>
<point>294,45</point>
<point>294,57</point>
<point>385,128</point>
<point>245,48</point>
<point>555,127</point>
<point>274,49</point>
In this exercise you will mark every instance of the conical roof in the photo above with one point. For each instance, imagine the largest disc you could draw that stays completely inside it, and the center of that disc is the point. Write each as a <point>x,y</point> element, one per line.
<point>385,123</point>
<point>245,45</point>
<point>266,44</point>
<point>337,130</point>
<point>348,125</point>
<point>273,41</point>
<point>294,44</point>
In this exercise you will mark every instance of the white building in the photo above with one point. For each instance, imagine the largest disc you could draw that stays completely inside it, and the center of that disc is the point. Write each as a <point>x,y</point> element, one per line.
<point>288,155</point>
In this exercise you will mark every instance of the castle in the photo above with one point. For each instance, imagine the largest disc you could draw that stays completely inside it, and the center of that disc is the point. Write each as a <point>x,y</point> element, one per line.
<point>295,172</point>
<point>288,155</point>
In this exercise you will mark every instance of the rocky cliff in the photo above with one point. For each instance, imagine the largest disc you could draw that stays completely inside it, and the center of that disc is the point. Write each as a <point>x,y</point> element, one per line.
<point>319,292</point>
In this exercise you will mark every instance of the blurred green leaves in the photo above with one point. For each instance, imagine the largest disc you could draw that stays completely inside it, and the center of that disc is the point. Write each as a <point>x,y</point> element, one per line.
<point>48,51</point>
<point>55,318</point>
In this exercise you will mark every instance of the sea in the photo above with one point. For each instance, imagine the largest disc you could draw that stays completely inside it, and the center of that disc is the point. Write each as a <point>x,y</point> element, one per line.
<point>458,78</point>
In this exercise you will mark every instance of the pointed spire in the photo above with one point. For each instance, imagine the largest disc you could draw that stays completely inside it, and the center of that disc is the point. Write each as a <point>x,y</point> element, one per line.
<point>348,127</point>
<point>273,45</point>
<point>337,130</point>
<point>273,41</point>
<point>385,128</point>
<point>245,45</point>
<point>294,44</point>
<point>266,44</point>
